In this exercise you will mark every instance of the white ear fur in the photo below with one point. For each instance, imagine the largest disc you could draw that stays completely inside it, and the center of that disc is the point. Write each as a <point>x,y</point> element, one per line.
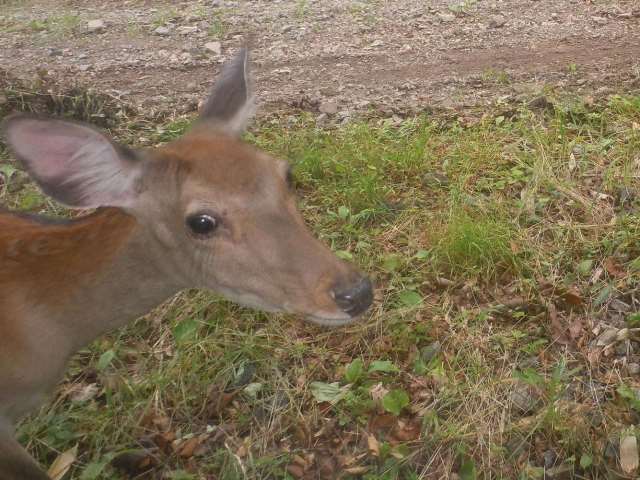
<point>73,163</point>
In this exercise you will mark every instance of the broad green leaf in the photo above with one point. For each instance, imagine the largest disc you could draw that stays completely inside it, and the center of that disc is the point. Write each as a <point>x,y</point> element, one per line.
<point>344,255</point>
<point>585,266</point>
<point>603,296</point>
<point>391,263</point>
<point>354,371</point>
<point>7,171</point>
<point>105,359</point>
<point>180,475</point>
<point>468,470</point>
<point>343,212</point>
<point>382,366</point>
<point>410,298</point>
<point>94,470</point>
<point>185,330</point>
<point>253,388</point>
<point>422,254</point>
<point>327,392</point>
<point>395,400</point>
<point>585,461</point>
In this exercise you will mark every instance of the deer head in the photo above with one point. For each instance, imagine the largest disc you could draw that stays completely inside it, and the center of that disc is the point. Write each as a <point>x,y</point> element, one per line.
<point>218,212</point>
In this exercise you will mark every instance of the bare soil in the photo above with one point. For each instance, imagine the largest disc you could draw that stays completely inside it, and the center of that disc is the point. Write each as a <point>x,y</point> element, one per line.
<point>392,57</point>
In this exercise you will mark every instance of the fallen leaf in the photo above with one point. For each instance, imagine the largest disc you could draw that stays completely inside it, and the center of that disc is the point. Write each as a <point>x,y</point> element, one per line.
<point>406,432</point>
<point>134,462</point>
<point>629,454</point>
<point>188,447</point>
<point>296,471</point>
<point>378,391</point>
<point>328,392</point>
<point>218,400</point>
<point>374,445</point>
<point>572,297</point>
<point>613,268</point>
<point>84,393</point>
<point>558,329</point>
<point>576,328</point>
<point>62,464</point>
<point>356,470</point>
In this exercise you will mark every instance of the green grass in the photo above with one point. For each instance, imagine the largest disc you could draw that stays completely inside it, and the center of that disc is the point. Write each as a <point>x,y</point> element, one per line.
<point>474,235</point>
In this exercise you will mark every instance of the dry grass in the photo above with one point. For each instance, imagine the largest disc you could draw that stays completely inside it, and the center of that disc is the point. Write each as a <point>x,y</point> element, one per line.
<point>501,251</point>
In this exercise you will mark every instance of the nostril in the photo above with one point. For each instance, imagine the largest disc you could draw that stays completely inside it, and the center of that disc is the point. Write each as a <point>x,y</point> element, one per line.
<point>354,298</point>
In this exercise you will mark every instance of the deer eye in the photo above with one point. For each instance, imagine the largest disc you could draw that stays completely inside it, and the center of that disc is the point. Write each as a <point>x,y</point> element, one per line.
<point>202,224</point>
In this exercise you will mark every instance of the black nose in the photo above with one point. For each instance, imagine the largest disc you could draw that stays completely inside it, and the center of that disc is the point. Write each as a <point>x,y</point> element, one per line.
<point>354,298</point>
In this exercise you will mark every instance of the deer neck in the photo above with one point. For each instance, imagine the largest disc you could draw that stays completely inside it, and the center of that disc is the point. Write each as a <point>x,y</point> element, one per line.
<point>90,276</point>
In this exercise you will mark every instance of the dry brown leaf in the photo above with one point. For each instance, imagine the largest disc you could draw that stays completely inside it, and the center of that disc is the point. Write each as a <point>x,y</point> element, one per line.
<point>62,464</point>
<point>572,297</point>
<point>218,400</point>
<point>629,454</point>
<point>378,391</point>
<point>558,329</point>
<point>296,471</point>
<point>406,432</point>
<point>374,445</point>
<point>189,446</point>
<point>84,393</point>
<point>576,328</point>
<point>356,470</point>
<point>134,462</point>
<point>613,268</point>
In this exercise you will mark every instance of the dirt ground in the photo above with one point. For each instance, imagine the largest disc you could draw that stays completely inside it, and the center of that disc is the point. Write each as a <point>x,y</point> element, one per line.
<point>331,56</point>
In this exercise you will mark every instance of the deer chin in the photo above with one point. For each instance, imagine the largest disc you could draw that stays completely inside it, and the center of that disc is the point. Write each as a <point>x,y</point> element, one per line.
<point>331,320</point>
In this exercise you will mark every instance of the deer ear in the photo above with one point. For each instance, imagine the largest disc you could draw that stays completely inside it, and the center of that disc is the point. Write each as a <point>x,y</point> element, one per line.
<point>230,104</point>
<point>73,163</point>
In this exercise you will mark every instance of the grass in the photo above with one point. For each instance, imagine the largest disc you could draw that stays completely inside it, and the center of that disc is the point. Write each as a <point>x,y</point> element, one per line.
<point>498,248</point>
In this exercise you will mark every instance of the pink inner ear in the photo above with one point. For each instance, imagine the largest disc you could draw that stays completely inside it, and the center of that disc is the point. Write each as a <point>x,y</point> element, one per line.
<point>47,147</point>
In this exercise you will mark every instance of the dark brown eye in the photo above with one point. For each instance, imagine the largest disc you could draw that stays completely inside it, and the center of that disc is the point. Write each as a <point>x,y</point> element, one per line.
<point>202,224</point>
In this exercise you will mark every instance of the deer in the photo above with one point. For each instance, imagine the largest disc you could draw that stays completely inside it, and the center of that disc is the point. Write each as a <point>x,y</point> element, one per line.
<point>205,210</point>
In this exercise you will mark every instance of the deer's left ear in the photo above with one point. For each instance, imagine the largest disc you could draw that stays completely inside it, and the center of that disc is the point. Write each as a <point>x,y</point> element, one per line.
<point>230,105</point>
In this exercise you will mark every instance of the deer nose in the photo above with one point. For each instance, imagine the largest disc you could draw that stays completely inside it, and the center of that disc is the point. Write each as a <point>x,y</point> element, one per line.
<point>355,298</point>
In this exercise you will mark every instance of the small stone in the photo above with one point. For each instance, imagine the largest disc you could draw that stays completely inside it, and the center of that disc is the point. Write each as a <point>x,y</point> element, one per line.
<point>523,398</point>
<point>622,348</point>
<point>286,28</point>
<point>55,52</point>
<point>185,30</point>
<point>321,120</point>
<point>550,458</point>
<point>497,21</point>
<point>599,20</point>
<point>607,337</point>
<point>162,31</point>
<point>430,351</point>
<point>629,454</point>
<point>623,334</point>
<point>84,68</point>
<point>329,107</point>
<point>214,47</point>
<point>446,17</point>
<point>95,26</point>
<point>377,43</point>
<point>633,368</point>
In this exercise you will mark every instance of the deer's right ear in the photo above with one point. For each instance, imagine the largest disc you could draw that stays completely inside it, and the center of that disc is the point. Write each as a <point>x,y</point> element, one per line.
<point>230,104</point>
<point>73,163</point>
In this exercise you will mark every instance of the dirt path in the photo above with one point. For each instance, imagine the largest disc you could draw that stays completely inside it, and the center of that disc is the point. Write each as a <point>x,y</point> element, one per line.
<point>335,55</point>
